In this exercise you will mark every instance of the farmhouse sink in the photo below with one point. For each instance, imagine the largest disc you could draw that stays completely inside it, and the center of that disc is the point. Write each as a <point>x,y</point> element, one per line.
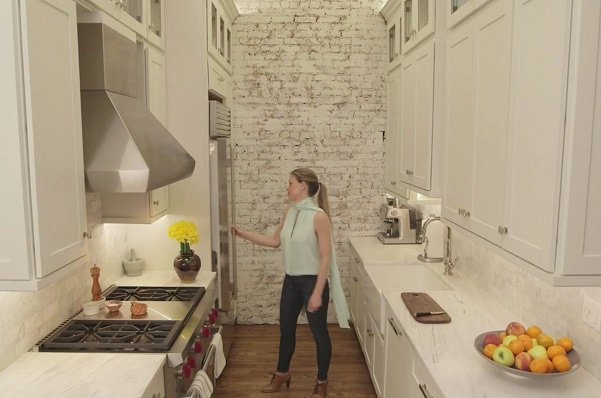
<point>405,278</point>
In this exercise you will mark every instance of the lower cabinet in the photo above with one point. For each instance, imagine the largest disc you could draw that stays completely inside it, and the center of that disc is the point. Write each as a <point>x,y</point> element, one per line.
<point>156,387</point>
<point>405,374</point>
<point>374,353</point>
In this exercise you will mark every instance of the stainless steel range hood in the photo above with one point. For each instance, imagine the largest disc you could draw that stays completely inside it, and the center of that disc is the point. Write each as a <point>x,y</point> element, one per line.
<point>126,148</point>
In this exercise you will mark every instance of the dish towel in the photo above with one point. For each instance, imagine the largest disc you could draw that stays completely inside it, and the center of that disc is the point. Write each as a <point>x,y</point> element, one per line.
<point>217,341</point>
<point>201,386</point>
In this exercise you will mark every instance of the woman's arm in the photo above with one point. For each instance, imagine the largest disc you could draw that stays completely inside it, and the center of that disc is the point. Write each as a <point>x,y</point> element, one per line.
<point>324,241</point>
<point>260,239</point>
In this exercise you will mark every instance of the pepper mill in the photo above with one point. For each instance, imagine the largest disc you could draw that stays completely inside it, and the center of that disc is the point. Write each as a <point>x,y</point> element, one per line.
<point>96,290</point>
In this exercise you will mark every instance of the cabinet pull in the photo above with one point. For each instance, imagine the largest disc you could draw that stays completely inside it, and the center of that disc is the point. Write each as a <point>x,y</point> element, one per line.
<point>156,202</point>
<point>460,211</point>
<point>394,328</point>
<point>355,279</point>
<point>424,390</point>
<point>87,235</point>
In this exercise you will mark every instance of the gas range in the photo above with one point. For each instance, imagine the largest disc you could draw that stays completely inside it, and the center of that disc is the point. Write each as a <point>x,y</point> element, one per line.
<point>179,322</point>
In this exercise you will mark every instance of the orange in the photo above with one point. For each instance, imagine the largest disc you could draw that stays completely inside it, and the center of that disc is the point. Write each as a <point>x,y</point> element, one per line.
<point>545,340</point>
<point>527,340</point>
<point>566,343</point>
<point>562,363</point>
<point>550,366</point>
<point>516,346</point>
<point>555,350</point>
<point>538,365</point>
<point>502,335</point>
<point>488,350</point>
<point>533,331</point>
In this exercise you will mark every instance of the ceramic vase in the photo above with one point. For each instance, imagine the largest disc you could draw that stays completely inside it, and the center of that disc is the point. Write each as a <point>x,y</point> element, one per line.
<point>186,266</point>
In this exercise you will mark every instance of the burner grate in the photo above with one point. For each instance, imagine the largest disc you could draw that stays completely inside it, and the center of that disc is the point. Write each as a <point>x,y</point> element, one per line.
<point>143,293</point>
<point>99,335</point>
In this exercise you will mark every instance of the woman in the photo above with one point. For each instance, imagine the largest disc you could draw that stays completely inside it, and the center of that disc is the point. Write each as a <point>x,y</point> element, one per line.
<point>304,232</point>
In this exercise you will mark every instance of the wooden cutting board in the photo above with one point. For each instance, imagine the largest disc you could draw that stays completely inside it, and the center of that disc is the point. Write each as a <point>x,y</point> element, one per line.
<point>416,302</point>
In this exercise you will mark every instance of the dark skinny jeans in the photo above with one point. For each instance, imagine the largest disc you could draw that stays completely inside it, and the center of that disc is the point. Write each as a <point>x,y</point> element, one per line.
<point>296,292</point>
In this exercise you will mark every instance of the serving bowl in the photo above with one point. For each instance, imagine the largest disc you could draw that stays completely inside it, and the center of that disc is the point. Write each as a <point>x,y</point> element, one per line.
<point>90,308</point>
<point>114,305</point>
<point>138,308</point>
<point>572,355</point>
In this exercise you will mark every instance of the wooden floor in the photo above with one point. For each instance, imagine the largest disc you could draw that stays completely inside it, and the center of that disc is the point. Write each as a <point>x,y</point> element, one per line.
<point>254,353</point>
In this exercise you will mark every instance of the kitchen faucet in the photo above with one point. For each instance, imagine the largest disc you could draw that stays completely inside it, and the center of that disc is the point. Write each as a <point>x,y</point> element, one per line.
<point>449,263</point>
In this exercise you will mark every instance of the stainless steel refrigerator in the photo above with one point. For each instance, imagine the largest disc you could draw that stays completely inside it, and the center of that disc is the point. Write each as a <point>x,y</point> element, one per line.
<point>221,166</point>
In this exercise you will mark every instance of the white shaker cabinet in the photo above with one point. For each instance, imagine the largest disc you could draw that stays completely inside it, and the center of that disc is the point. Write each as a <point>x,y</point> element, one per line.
<point>220,18</point>
<point>393,110</point>
<point>478,74</point>
<point>406,376</point>
<point>539,70</point>
<point>579,252</point>
<point>416,116</point>
<point>43,206</point>
<point>394,26</point>
<point>156,22</point>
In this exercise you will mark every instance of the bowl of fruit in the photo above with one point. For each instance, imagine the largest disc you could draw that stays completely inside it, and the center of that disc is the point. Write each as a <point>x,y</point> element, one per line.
<point>527,352</point>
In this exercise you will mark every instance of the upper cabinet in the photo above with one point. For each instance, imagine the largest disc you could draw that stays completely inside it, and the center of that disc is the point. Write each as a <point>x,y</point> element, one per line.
<point>145,17</point>
<point>42,207</point>
<point>415,119</point>
<point>156,22</point>
<point>458,10</point>
<point>520,164</point>
<point>418,22</point>
<point>220,18</point>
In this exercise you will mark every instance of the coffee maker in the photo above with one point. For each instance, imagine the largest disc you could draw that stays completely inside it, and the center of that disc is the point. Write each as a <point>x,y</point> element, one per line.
<point>401,225</point>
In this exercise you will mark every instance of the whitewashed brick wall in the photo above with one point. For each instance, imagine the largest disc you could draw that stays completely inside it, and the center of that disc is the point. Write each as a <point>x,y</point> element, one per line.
<point>309,90</point>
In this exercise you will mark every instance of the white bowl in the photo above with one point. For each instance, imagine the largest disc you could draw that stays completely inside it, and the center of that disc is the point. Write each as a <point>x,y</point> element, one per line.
<point>90,308</point>
<point>101,303</point>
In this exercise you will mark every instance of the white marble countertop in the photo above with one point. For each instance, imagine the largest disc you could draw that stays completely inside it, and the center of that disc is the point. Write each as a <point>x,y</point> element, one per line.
<point>77,375</point>
<point>373,252</point>
<point>447,349</point>
<point>98,375</point>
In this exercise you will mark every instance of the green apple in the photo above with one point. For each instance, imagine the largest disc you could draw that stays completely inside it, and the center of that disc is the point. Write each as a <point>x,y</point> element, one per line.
<point>503,355</point>
<point>508,339</point>
<point>534,342</point>
<point>538,352</point>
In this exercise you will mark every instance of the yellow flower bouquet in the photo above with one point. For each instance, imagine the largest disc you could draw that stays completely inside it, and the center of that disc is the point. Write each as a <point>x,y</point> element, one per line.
<point>185,233</point>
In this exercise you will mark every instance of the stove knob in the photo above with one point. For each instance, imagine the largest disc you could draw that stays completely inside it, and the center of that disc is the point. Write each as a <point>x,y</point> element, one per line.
<point>205,331</point>
<point>215,312</point>
<point>191,361</point>
<point>212,319</point>
<point>186,371</point>
<point>198,347</point>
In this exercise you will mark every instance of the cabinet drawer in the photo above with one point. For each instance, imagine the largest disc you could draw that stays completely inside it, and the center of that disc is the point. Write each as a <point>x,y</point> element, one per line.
<point>219,80</point>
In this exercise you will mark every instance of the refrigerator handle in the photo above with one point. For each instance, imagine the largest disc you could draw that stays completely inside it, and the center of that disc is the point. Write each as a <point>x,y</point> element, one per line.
<point>213,261</point>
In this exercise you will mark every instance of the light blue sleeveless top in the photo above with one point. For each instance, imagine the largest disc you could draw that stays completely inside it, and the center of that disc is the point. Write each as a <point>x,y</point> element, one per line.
<point>300,252</point>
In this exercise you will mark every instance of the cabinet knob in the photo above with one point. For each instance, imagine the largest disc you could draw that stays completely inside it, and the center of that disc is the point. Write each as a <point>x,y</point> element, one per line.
<point>460,211</point>
<point>156,202</point>
<point>88,235</point>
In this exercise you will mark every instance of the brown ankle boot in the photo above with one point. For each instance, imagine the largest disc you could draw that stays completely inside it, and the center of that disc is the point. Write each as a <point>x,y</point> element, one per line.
<point>276,382</point>
<point>319,391</point>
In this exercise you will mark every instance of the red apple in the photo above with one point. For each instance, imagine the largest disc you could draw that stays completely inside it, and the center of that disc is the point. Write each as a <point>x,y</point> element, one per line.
<point>522,361</point>
<point>491,338</point>
<point>515,328</point>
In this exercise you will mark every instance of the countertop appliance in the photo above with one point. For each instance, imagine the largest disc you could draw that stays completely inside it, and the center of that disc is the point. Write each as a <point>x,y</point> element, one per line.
<point>221,169</point>
<point>180,322</point>
<point>401,225</point>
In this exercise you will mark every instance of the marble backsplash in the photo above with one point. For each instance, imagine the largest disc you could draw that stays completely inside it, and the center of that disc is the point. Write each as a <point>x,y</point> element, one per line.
<point>558,310</point>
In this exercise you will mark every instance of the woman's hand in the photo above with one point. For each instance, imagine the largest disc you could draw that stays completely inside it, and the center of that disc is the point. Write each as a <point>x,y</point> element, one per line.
<point>236,230</point>
<point>314,302</point>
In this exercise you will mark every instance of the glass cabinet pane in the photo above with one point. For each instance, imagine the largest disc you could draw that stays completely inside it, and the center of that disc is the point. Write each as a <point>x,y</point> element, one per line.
<point>229,46</point>
<point>457,4</point>
<point>391,43</point>
<point>221,36</point>
<point>133,8</point>
<point>214,25</point>
<point>155,17</point>
<point>422,13</point>
<point>409,30</point>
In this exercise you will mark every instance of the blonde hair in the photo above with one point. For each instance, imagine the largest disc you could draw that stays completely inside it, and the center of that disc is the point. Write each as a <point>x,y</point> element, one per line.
<point>308,176</point>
